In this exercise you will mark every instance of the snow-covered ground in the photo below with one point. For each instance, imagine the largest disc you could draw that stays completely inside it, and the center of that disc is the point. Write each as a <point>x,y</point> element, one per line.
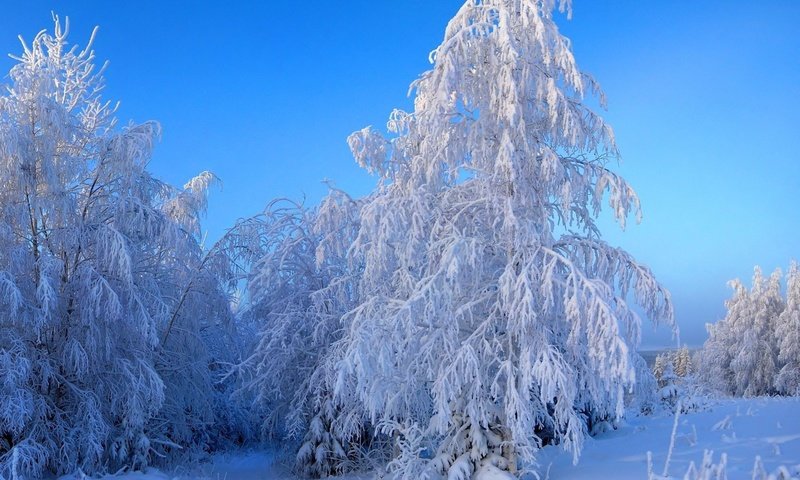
<point>742,429</point>
<point>247,465</point>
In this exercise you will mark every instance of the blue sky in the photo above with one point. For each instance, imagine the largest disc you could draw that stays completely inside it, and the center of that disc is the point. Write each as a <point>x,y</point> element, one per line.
<point>704,97</point>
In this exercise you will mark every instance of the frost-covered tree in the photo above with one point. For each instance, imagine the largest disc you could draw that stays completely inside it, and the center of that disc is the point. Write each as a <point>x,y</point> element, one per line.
<point>659,365</point>
<point>94,262</point>
<point>719,350</point>
<point>755,360</point>
<point>682,362</point>
<point>668,388</point>
<point>299,284</point>
<point>742,353</point>
<point>491,317</point>
<point>200,338</point>
<point>788,336</point>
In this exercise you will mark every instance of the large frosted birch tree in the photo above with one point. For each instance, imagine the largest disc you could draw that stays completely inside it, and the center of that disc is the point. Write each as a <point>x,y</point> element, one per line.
<point>492,317</point>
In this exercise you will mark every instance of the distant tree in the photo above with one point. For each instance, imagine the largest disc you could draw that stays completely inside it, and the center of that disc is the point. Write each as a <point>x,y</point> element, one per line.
<point>719,350</point>
<point>94,256</point>
<point>683,362</point>
<point>788,336</point>
<point>660,364</point>
<point>742,354</point>
<point>491,318</point>
<point>754,362</point>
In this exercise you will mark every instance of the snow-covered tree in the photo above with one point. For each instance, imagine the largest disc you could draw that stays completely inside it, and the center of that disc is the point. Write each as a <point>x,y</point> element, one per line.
<point>659,365</point>
<point>94,253</point>
<point>788,336</point>
<point>643,397</point>
<point>490,313</point>
<point>719,350</point>
<point>668,388</point>
<point>683,362</point>
<point>299,285</point>
<point>201,338</point>
<point>680,361</point>
<point>755,360</point>
<point>742,353</point>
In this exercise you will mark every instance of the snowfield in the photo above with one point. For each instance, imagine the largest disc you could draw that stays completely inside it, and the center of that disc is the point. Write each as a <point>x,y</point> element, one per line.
<point>741,429</point>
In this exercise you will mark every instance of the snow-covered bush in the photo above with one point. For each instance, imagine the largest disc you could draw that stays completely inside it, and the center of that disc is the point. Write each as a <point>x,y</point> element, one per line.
<point>102,357</point>
<point>491,317</point>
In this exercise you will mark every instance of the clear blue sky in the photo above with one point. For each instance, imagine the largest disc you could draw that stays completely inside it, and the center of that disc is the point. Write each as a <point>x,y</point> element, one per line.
<point>704,97</point>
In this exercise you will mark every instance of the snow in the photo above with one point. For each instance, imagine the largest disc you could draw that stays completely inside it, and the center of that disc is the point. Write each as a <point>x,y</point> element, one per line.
<point>490,472</point>
<point>741,428</point>
<point>242,465</point>
<point>247,466</point>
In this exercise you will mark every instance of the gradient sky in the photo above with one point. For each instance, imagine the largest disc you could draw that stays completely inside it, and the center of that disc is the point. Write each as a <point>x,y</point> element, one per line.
<point>704,97</point>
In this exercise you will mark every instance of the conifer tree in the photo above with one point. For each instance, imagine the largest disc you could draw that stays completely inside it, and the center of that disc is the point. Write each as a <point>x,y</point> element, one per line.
<point>659,365</point>
<point>683,362</point>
